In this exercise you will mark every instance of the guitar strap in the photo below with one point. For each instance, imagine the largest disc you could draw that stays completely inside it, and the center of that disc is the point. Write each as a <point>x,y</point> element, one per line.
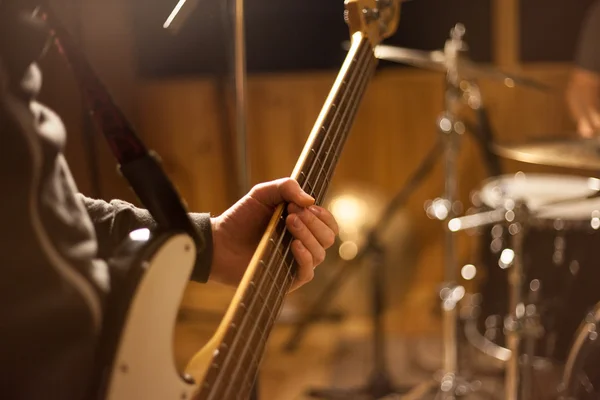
<point>141,167</point>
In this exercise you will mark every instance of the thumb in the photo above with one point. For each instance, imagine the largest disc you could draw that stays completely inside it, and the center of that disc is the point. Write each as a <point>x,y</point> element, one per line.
<point>281,190</point>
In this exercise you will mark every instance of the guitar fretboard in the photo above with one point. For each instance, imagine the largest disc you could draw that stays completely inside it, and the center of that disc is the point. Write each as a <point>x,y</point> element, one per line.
<point>236,360</point>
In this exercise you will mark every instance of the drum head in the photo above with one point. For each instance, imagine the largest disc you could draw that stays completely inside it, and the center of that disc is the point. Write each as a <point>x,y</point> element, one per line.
<point>540,189</point>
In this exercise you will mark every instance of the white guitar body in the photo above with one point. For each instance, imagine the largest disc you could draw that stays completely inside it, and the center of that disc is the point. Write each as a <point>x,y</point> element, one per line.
<point>144,364</point>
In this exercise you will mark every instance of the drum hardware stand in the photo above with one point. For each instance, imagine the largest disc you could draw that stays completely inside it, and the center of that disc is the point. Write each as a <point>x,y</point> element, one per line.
<point>515,385</point>
<point>380,383</point>
<point>452,384</point>
<point>522,324</point>
<point>585,342</point>
<point>327,295</point>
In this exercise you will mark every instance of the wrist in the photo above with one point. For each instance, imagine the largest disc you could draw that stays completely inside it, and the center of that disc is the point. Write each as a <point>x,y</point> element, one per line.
<point>216,243</point>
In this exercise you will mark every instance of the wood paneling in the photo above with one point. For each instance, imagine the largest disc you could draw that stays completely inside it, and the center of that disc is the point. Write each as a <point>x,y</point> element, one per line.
<point>506,32</point>
<point>394,130</point>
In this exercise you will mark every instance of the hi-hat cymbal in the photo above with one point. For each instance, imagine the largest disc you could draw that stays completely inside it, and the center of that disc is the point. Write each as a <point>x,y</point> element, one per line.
<point>567,153</point>
<point>436,61</point>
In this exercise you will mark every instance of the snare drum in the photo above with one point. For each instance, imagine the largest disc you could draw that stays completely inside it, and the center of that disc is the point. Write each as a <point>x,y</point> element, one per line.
<point>561,255</point>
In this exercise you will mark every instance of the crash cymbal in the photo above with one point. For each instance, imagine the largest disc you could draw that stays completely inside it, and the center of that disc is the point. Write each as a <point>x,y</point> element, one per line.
<point>436,61</point>
<point>567,153</point>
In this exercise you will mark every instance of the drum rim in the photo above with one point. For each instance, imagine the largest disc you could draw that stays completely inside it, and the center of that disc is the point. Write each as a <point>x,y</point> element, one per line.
<point>541,220</point>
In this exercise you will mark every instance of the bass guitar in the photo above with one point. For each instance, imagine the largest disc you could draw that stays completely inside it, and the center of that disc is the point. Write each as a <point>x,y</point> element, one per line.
<point>226,368</point>
<point>136,357</point>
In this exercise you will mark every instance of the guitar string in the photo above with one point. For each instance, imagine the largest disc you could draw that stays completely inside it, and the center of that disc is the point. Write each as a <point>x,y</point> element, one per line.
<point>248,314</point>
<point>321,194</point>
<point>288,270</point>
<point>274,312</point>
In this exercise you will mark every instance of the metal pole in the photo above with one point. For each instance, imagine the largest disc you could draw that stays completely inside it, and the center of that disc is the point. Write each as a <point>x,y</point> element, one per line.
<point>513,381</point>
<point>241,97</point>
<point>450,127</point>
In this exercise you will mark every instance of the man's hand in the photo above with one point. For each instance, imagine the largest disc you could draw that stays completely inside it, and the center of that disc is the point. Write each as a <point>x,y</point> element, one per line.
<point>237,232</point>
<point>583,97</point>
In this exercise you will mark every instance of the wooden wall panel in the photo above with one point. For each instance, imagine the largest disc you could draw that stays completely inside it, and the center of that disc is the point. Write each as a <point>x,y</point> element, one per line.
<point>180,120</point>
<point>394,130</point>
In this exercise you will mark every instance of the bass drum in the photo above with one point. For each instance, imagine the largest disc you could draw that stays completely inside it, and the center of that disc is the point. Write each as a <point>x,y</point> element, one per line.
<point>560,253</point>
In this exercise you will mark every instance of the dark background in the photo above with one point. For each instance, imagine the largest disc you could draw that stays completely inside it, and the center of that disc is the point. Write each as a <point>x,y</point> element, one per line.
<point>306,35</point>
<point>550,28</point>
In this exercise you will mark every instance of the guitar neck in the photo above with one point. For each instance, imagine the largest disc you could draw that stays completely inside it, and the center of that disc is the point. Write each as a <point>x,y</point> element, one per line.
<point>259,298</point>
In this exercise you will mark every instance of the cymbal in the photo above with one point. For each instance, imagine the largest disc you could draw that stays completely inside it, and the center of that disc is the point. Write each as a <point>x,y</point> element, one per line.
<point>436,61</point>
<point>567,153</point>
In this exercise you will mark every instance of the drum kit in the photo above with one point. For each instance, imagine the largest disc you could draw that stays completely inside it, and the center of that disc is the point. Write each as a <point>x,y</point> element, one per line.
<point>538,307</point>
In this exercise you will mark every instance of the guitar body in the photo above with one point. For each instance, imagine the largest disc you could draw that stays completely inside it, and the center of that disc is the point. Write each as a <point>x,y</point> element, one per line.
<point>136,356</point>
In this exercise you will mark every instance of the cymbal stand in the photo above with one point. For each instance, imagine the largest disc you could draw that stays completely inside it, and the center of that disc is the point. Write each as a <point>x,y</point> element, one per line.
<point>452,385</point>
<point>522,323</point>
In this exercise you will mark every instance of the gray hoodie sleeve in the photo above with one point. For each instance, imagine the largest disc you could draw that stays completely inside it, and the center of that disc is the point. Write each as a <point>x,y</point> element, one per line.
<point>115,219</point>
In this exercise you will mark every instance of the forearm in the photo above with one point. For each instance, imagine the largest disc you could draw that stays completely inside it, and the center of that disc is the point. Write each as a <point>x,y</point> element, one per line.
<point>114,220</point>
<point>583,100</point>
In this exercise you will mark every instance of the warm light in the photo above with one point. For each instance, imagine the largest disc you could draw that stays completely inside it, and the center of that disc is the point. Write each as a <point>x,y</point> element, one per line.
<point>348,250</point>
<point>346,209</point>
<point>454,225</point>
<point>445,125</point>
<point>506,258</point>
<point>468,272</point>
<point>140,235</point>
<point>351,214</point>
<point>593,183</point>
<point>438,209</point>
<point>356,209</point>
<point>520,175</point>
<point>509,216</point>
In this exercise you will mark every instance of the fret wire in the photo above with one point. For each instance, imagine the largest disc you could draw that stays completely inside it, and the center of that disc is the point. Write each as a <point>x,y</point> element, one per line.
<point>338,147</point>
<point>364,46</point>
<point>245,319</point>
<point>279,298</point>
<point>269,320</point>
<point>283,262</point>
<point>335,154</point>
<point>329,172</point>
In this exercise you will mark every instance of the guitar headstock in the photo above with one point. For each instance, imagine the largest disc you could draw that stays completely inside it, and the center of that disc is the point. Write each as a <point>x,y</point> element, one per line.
<point>376,19</point>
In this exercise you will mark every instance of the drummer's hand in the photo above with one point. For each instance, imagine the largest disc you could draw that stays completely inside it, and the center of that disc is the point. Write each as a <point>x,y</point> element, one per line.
<point>583,99</point>
<point>589,127</point>
<point>237,232</point>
